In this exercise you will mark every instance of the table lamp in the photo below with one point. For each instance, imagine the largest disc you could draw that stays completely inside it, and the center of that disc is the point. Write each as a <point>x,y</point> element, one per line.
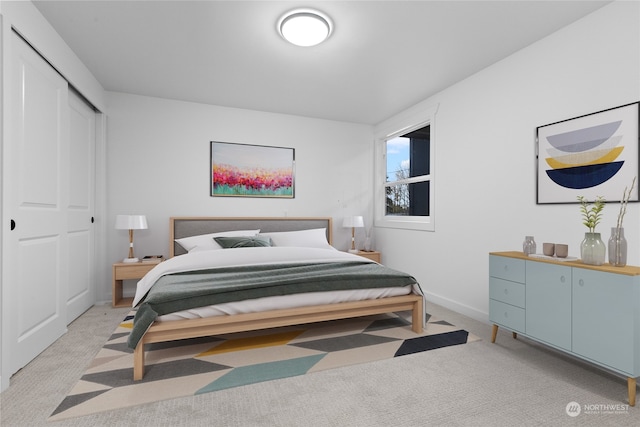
<point>131,222</point>
<point>353,222</point>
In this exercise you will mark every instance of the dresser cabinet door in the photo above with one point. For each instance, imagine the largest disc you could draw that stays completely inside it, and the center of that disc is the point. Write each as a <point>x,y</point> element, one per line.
<point>548,301</point>
<point>604,310</point>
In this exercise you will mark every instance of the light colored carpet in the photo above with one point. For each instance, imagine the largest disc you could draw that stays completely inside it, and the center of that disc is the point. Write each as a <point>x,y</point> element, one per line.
<point>512,382</point>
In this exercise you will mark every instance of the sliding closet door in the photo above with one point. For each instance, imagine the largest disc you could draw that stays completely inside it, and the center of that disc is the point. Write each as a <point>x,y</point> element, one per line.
<point>38,198</point>
<point>80,262</point>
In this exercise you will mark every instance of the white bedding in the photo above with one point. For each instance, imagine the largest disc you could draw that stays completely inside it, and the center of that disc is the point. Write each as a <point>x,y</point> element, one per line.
<point>261,256</point>
<point>238,257</point>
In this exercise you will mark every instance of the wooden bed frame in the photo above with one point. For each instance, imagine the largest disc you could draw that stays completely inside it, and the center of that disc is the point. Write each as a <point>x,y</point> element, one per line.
<point>193,328</point>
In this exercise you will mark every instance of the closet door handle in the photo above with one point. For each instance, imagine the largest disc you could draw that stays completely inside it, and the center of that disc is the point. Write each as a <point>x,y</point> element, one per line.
<point>13,225</point>
<point>92,220</point>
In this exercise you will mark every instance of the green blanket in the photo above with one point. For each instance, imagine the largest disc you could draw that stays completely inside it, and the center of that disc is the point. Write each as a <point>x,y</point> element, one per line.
<point>183,291</point>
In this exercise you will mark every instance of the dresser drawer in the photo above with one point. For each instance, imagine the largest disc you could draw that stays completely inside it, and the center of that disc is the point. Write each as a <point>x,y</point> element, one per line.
<point>506,315</point>
<point>507,268</point>
<point>506,291</point>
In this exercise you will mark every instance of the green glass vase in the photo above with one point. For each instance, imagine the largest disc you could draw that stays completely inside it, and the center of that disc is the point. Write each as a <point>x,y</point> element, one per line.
<point>592,249</point>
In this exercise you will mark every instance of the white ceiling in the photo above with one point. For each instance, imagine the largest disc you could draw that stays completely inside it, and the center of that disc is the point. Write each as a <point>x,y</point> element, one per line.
<point>383,56</point>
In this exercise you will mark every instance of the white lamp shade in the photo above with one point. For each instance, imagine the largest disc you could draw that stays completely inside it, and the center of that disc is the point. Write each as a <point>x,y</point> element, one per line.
<point>131,222</point>
<point>353,222</point>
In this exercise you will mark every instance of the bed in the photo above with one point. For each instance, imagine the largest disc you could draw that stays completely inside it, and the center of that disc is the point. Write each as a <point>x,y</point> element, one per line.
<point>264,261</point>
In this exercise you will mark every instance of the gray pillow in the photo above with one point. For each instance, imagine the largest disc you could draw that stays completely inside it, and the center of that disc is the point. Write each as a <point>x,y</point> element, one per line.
<point>243,241</point>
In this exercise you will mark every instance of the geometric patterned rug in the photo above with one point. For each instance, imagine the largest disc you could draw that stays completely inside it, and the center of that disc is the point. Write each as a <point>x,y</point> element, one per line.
<point>203,365</point>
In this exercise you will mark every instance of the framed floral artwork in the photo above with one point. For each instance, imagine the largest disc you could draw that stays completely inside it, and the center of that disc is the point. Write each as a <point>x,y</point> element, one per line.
<point>244,170</point>
<point>592,155</point>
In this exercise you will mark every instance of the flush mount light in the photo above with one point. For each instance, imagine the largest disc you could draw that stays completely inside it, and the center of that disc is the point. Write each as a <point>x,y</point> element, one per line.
<point>305,27</point>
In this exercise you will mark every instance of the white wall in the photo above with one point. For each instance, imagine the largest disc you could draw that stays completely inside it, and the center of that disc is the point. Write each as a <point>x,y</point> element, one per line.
<point>485,148</point>
<point>158,165</point>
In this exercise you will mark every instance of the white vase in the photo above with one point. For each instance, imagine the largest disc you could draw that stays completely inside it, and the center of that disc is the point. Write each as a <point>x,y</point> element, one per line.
<point>592,249</point>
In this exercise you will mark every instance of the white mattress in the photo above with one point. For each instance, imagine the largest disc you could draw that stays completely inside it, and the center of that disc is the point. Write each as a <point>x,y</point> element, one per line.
<point>285,301</point>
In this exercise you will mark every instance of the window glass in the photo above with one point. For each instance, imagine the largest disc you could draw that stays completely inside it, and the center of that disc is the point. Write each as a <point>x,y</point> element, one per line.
<point>408,199</point>
<point>398,159</point>
<point>407,174</point>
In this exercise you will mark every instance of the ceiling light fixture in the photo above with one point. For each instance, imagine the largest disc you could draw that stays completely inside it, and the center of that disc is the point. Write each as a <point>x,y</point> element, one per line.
<point>305,27</point>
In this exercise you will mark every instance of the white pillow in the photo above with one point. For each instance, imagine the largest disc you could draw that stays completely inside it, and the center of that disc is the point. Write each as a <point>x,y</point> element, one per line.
<point>314,238</point>
<point>205,242</point>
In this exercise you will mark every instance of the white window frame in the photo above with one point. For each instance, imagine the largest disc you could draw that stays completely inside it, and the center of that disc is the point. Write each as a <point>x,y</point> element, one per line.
<point>404,123</point>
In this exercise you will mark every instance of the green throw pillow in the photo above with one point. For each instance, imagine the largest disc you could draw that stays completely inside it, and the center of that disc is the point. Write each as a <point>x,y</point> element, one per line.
<point>243,242</point>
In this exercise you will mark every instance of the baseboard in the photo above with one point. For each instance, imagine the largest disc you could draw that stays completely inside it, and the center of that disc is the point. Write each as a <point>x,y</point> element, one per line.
<point>105,302</point>
<point>4,383</point>
<point>457,307</point>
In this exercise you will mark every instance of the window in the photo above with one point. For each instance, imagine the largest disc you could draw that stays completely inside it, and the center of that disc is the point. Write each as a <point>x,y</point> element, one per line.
<point>405,175</point>
<point>407,182</point>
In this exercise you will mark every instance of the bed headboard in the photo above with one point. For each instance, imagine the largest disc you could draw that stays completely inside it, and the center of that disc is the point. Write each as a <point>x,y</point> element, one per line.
<point>180,227</point>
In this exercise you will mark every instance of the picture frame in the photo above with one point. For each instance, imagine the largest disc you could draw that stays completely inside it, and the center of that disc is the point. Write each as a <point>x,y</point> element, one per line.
<point>246,170</point>
<point>593,155</point>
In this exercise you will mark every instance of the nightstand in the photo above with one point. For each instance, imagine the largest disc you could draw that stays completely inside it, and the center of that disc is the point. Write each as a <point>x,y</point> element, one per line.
<point>373,255</point>
<point>125,271</point>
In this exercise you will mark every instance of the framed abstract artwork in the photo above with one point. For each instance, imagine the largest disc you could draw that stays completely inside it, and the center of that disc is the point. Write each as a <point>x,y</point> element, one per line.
<point>243,170</point>
<point>592,155</point>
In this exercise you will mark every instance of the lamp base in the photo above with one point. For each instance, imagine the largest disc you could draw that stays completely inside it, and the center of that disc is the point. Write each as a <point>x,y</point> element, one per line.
<point>130,260</point>
<point>353,251</point>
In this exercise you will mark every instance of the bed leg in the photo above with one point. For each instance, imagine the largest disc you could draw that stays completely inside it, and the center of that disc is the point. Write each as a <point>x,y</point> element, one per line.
<point>417,317</point>
<point>138,361</point>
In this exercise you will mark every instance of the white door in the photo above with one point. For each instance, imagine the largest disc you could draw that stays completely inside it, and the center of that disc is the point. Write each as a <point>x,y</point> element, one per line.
<point>34,302</point>
<point>80,262</point>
